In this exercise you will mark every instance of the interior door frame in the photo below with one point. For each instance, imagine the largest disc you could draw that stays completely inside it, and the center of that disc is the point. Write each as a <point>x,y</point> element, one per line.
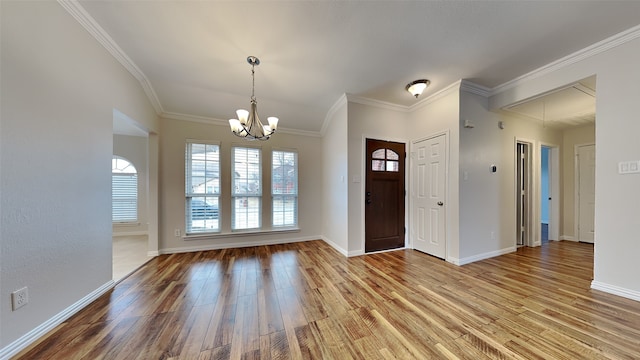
<point>576,189</point>
<point>554,190</point>
<point>363,188</point>
<point>411,187</point>
<point>533,232</point>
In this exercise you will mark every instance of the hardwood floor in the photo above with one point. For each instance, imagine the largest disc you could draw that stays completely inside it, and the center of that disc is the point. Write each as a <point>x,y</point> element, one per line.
<point>306,301</point>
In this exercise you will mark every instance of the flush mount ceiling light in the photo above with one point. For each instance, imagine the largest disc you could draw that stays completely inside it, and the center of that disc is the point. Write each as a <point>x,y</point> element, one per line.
<point>416,87</point>
<point>248,125</point>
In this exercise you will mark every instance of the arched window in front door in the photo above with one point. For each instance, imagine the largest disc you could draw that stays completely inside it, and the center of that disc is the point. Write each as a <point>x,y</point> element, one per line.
<point>385,160</point>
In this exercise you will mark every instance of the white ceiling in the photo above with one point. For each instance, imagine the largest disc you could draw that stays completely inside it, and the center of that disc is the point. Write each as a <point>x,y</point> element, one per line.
<point>193,53</point>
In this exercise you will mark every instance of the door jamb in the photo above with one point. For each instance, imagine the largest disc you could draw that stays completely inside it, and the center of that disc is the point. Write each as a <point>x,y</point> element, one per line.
<point>576,190</point>
<point>533,238</point>
<point>554,187</point>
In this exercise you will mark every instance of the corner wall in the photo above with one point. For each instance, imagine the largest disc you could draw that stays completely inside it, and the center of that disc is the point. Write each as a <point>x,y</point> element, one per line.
<point>617,199</point>
<point>59,89</point>
<point>335,179</point>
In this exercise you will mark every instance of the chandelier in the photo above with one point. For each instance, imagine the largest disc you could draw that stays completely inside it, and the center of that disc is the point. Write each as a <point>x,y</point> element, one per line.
<point>248,125</point>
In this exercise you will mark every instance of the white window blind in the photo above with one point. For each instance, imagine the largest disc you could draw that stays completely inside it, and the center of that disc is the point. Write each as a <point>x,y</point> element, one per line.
<point>202,191</point>
<point>284,188</point>
<point>246,188</point>
<point>124,191</point>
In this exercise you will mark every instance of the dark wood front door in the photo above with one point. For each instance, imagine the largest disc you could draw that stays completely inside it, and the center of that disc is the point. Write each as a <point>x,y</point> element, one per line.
<point>384,195</point>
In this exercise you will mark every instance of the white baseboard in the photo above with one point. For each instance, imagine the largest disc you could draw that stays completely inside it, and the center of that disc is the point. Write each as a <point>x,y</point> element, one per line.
<point>153,253</point>
<point>27,339</point>
<point>616,290</point>
<point>335,246</point>
<point>487,255</point>
<point>235,244</point>
<point>355,253</point>
<point>567,237</point>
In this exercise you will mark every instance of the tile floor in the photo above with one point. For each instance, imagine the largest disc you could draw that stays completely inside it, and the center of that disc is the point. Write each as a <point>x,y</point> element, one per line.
<point>129,253</point>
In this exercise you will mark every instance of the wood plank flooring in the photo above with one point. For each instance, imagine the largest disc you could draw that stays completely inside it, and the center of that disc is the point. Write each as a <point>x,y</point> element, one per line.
<point>306,301</point>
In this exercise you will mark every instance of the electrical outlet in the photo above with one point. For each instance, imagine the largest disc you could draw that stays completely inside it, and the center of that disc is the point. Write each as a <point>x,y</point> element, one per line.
<point>19,298</point>
<point>176,232</point>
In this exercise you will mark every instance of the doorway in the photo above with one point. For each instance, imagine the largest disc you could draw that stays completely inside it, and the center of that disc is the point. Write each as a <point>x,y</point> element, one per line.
<point>549,193</point>
<point>428,228</point>
<point>585,192</point>
<point>384,195</point>
<point>523,194</point>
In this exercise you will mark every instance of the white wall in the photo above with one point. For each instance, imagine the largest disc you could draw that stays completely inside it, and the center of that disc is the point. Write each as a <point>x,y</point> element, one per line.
<point>375,122</point>
<point>570,138</point>
<point>134,149</point>
<point>335,178</point>
<point>617,197</point>
<point>172,185</point>
<point>59,88</point>
<point>480,189</point>
<point>438,114</point>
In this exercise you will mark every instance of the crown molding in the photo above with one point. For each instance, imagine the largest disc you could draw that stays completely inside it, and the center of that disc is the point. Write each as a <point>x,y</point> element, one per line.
<point>595,49</point>
<point>219,122</point>
<point>76,10</point>
<point>342,100</point>
<point>376,103</point>
<point>468,86</point>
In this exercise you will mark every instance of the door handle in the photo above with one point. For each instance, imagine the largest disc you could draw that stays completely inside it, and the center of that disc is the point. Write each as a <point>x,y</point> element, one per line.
<point>440,203</point>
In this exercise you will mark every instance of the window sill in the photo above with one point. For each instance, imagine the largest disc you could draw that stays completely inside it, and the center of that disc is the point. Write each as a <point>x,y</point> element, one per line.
<point>208,236</point>
<point>125,224</point>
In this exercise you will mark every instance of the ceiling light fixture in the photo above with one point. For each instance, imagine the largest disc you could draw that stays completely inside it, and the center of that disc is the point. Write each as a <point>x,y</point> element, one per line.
<point>248,125</point>
<point>416,87</point>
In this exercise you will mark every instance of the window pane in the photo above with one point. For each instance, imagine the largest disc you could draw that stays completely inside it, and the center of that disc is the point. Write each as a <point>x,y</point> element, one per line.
<point>124,191</point>
<point>377,165</point>
<point>392,166</point>
<point>202,178</point>
<point>246,188</point>
<point>246,171</point>
<point>246,213</point>
<point>284,174</point>
<point>392,155</point>
<point>285,210</point>
<point>378,154</point>
<point>202,214</point>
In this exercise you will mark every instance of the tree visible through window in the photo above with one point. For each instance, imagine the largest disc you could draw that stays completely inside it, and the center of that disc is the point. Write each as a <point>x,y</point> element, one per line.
<point>124,191</point>
<point>284,188</point>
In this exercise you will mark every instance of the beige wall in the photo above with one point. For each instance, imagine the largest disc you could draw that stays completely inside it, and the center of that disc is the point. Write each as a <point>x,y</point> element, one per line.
<point>174,134</point>
<point>570,138</point>
<point>59,91</point>
<point>335,175</point>
<point>375,122</point>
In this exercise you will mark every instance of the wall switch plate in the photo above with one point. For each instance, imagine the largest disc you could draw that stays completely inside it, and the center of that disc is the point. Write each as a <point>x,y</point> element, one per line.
<point>19,298</point>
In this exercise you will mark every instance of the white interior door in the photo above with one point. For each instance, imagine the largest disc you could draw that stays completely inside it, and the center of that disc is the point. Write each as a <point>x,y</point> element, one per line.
<point>428,196</point>
<point>586,192</point>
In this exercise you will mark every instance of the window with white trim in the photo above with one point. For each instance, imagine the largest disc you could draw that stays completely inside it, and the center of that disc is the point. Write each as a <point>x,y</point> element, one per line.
<point>202,191</point>
<point>246,188</point>
<point>124,191</point>
<point>284,188</point>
